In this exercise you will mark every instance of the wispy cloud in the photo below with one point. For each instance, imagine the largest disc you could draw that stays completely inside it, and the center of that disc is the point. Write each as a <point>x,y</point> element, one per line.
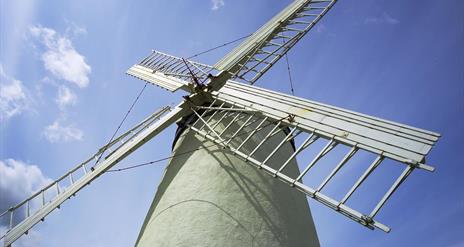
<point>64,62</point>
<point>65,97</point>
<point>217,4</point>
<point>19,180</point>
<point>13,97</point>
<point>74,29</point>
<point>61,58</point>
<point>385,18</point>
<point>56,132</point>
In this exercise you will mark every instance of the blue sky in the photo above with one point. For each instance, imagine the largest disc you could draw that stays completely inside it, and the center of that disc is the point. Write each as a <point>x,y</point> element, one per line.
<point>64,91</point>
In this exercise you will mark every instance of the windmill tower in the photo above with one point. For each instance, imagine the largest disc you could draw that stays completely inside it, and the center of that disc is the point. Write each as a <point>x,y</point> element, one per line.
<point>234,178</point>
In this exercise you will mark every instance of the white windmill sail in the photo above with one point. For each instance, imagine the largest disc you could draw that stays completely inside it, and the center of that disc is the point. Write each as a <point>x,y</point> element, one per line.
<point>52,196</point>
<point>256,55</point>
<point>396,141</point>
<point>315,121</point>
<point>170,72</point>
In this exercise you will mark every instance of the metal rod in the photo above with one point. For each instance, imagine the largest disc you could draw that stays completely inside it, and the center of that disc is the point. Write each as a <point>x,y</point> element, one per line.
<point>332,146</point>
<point>205,73</point>
<point>248,69</point>
<point>151,61</point>
<point>4,212</point>
<point>177,75</point>
<point>293,29</point>
<point>260,60</point>
<point>225,109</point>
<point>276,132</point>
<point>299,22</point>
<point>270,43</point>
<point>369,170</point>
<point>264,139</point>
<point>28,209</point>
<point>220,119</point>
<point>311,7</point>
<point>240,129</point>
<point>345,159</point>
<point>252,132</point>
<point>204,112</point>
<point>308,141</point>
<point>207,125</point>
<point>230,123</point>
<point>160,63</point>
<point>315,160</point>
<point>302,14</point>
<point>212,115</point>
<point>43,197</point>
<point>185,69</point>
<point>156,58</point>
<point>269,52</point>
<point>195,71</point>
<point>255,120</point>
<point>178,64</point>
<point>276,149</point>
<point>167,63</point>
<point>255,51</point>
<point>392,189</point>
<point>172,64</point>
<point>145,59</point>
<point>71,178</point>
<point>11,219</point>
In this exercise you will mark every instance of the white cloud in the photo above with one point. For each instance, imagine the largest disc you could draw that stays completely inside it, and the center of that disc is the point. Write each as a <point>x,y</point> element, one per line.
<point>13,99</point>
<point>61,58</point>
<point>384,19</point>
<point>217,4</point>
<point>75,29</point>
<point>19,180</point>
<point>65,97</point>
<point>58,133</point>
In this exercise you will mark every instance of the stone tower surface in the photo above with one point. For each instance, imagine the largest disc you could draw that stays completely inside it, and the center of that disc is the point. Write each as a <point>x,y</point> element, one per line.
<point>209,197</point>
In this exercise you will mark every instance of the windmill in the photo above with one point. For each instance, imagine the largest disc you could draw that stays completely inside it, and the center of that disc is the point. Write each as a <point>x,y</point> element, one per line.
<point>242,135</point>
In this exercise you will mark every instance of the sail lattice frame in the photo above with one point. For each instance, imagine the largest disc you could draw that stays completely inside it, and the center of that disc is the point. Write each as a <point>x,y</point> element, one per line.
<point>56,193</point>
<point>258,53</point>
<point>228,107</point>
